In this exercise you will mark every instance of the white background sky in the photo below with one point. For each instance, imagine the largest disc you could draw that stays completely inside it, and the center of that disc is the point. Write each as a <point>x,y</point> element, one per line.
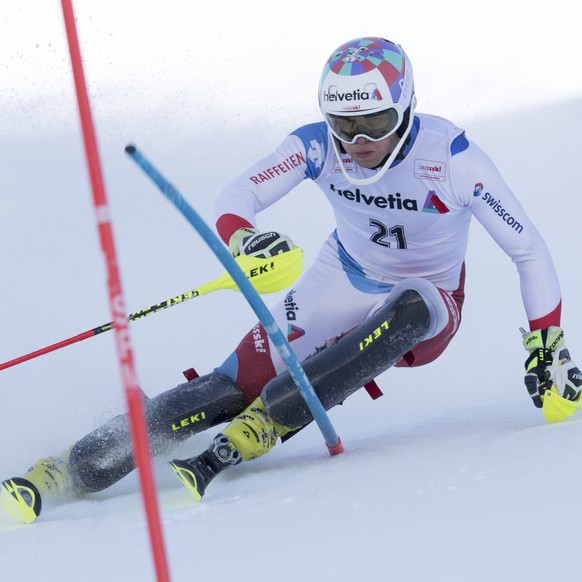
<point>264,58</point>
<point>453,455</point>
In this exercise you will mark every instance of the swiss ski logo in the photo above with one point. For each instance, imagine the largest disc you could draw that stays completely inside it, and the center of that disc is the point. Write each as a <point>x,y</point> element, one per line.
<point>430,170</point>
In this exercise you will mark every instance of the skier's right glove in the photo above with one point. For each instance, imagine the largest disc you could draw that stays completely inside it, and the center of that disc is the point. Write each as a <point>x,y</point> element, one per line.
<point>249,241</point>
<point>549,367</point>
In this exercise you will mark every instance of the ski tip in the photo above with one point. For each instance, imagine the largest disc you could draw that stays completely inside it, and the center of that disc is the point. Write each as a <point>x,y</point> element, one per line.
<point>21,499</point>
<point>337,449</point>
<point>184,472</point>
<point>130,148</point>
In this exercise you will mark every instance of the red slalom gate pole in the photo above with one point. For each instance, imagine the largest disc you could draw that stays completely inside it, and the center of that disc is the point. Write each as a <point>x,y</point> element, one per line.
<point>133,394</point>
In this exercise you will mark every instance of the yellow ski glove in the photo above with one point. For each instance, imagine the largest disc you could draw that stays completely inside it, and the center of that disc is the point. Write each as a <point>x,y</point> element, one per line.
<point>552,379</point>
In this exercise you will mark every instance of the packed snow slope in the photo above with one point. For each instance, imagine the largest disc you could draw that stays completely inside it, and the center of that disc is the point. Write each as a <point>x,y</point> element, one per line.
<point>451,476</point>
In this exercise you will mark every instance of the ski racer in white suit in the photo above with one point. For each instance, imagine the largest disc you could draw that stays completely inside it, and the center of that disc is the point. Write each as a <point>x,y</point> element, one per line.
<point>402,219</point>
<point>404,187</point>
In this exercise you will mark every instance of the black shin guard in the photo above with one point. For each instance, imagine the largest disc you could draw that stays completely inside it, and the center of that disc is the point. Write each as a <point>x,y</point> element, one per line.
<point>105,455</point>
<point>353,360</point>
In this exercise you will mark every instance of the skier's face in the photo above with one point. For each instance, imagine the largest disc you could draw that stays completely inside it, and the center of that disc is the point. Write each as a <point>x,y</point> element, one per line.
<point>369,154</point>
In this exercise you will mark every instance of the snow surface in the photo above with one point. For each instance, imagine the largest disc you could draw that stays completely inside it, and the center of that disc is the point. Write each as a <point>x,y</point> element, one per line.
<point>452,476</point>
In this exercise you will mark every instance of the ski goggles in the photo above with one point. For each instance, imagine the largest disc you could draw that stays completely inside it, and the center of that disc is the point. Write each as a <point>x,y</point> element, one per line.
<point>373,126</point>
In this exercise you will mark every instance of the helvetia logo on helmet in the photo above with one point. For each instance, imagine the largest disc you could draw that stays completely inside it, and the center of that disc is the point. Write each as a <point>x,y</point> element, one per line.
<point>374,92</point>
<point>370,92</point>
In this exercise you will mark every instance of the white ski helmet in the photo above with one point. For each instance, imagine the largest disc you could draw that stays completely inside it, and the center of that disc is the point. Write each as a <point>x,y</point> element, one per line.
<point>367,90</point>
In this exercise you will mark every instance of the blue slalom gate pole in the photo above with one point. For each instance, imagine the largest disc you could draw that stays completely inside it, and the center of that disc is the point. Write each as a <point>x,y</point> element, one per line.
<point>280,342</point>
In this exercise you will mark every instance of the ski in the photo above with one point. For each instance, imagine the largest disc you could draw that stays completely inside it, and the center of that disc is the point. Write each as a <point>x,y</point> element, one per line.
<point>21,499</point>
<point>187,475</point>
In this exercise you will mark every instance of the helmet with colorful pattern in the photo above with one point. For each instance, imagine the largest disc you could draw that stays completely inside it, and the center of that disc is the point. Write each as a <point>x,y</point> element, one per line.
<point>367,90</point>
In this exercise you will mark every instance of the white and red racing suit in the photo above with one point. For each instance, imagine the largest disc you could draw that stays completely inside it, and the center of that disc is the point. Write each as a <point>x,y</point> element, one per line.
<point>409,229</point>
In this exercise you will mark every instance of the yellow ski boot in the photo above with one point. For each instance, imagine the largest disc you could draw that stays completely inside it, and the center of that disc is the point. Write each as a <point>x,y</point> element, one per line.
<point>48,478</point>
<point>251,434</point>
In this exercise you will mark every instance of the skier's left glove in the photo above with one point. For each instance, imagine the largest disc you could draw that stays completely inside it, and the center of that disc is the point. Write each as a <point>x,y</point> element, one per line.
<point>549,367</point>
<point>249,241</point>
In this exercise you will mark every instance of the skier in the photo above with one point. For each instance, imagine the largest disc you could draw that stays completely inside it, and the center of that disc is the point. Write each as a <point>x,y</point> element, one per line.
<point>387,288</point>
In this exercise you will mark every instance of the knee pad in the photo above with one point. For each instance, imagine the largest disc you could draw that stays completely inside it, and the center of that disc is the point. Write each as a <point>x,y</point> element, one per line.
<point>438,312</point>
<point>353,360</point>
